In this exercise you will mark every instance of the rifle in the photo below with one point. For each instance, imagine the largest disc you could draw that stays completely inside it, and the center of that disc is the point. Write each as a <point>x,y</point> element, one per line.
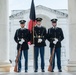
<point>51,59</point>
<point>16,61</point>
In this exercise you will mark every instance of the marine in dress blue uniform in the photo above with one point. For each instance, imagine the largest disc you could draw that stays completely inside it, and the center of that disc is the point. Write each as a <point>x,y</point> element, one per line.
<point>22,37</point>
<point>55,36</point>
<point>39,44</point>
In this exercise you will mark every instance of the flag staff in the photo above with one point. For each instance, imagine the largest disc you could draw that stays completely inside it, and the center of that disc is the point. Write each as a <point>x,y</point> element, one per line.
<point>32,23</point>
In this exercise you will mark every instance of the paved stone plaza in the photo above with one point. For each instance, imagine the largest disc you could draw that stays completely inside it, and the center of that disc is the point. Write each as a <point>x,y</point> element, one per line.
<point>40,73</point>
<point>31,72</point>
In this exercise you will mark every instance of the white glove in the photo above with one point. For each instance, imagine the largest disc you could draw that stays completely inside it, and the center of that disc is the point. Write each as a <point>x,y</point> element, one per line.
<point>39,40</point>
<point>55,41</point>
<point>22,40</point>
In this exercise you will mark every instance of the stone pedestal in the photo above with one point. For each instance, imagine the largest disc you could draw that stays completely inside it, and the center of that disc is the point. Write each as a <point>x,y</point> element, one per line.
<point>72,35</point>
<point>4,37</point>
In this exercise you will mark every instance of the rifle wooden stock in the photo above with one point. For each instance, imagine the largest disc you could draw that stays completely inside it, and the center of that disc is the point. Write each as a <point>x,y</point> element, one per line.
<point>51,59</point>
<point>16,61</point>
<point>15,68</point>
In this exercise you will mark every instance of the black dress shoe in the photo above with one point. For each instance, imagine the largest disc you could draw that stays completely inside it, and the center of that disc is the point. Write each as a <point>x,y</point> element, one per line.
<point>25,70</point>
<point>19,70</point>
<point>52,71</point>
<point>35,70</point>
<point>43,70</point>
<point>60,70</point>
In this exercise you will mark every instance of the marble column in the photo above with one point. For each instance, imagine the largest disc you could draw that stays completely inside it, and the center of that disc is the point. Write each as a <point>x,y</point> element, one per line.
<point>4,38</point>
<point>72,35</point>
